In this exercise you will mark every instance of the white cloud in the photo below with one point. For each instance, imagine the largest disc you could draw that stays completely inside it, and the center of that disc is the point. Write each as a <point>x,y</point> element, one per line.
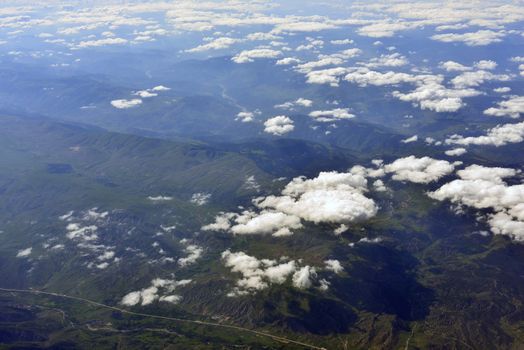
<point>332,115</point>
<point>159,198</point>
<point>287,61</point>
<point>484,188</point>
<point>245,117</point>
<point>331,197</point>
<point>100,42</point>
<point>452,66</point>
<point>145,94</point>
<point>502,90</point>
<point>200,198</point>
<point>455,152</point>
<point>160,289</point>
<point>216,44</point>
<point>258,274</point>
<point>23,253</point>
<point>391,60</point>
<point>265,222</point>
<point>279,125</point>
<point>161,88</point>
<point>290,105</point>
<point>302,278</point>
<point>250,55</point>
<point>419,170</point>
<point>334,265</point>
<point>468,79</point>
<point>479,38</point>
<point>342,42</point>
<point>411,139</point>
<point>497,136</point>
<point>486,64</point>
<point>194,253</point>
<point>513,107</point>
<point>124,104</point>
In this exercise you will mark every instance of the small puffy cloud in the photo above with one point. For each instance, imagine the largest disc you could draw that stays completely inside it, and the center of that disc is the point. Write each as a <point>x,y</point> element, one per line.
<point>331,197</point>
<point>245,117</point>
<point>452,66</point>
<point>100,42</point>
<point>145,94</point>
<point>479,38</point>
<point>432,95</point>
<point>302,278</point>
<point>342,42</point>
<point>484,188</point>
<point>160,289</point>
<point>486,64</point>
<point>498,136</point>
<point>200,198</point>
<point>332,115</point>
<point>411,139</point>
<point>194,252</point>
<point>125,104</point>
<point>302,26</point>
<point>502,90</point>
<point>391,60</point>
<point>513,107</point>
<point>334,265</point>
<point>161,88</point>
<point>266,222</point>
<point>287,61</point>
<point>468,79</point>
<point>290,105</point>
<point>24,253</point>
<point>279,125</point>
<point>329,76</point>
<point>160,198</point>
<point>257,274</point>
<point>250,55</point>
<point>419,170</point>
<point>216,44</point>
<point>455,152</point>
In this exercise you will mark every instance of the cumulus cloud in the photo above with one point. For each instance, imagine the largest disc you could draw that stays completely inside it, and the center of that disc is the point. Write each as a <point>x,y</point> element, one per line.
<point>215,44</point>
<point>334,265</point>
<point>291,105</point>
<point>279,125</point>
<point>479,38</point>
<point>200,198</point>
<point>390,60</point>
<point>419,170</point>
<point>160,198</point>
<point>484,188</point>
<point>160,290</point>
<point>259,274</point>
<point>125,104</point>
<point>500,135</point>
<point>468,79</point>
<point>250,55</point>
<point>245,117</point>
<point>100,42</point>
<point>452,66</point>
<point>327,116</point>
<point>331,197</point>
<point>24,253</point>
<point>193,252</point>
<point>302,278</point>
<point>455,152</point>
<point>411,139</point>
<point>513,107</point>
<point>486,64</point>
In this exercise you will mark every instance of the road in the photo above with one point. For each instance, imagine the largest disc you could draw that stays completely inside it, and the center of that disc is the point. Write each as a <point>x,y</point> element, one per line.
<point>175,319</point>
